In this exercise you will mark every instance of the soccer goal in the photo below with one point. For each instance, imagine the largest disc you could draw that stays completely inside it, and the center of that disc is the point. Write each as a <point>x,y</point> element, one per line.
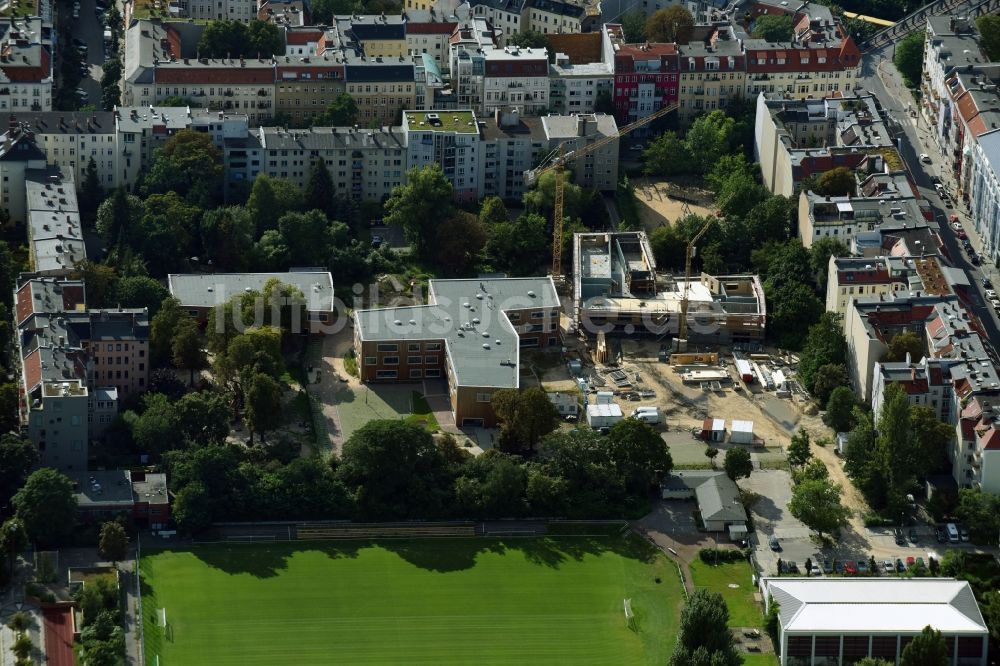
<point>163,617</point>
<point>629,615</point>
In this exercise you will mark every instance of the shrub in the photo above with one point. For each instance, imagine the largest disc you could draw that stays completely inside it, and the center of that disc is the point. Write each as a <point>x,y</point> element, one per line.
<point>875,520</point>
<point>717,555</point>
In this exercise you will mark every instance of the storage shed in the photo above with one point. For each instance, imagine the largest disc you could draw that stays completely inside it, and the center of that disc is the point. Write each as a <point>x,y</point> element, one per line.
<point>742,432</point>
<point>713,430</point>
<point>603,416</point>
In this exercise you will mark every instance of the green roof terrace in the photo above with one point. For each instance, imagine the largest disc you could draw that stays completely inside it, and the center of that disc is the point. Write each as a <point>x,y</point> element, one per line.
<point>461,122</point>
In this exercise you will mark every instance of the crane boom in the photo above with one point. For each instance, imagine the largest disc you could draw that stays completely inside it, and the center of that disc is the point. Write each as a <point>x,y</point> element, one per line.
<point>689,255</point>
<point>559,164</point>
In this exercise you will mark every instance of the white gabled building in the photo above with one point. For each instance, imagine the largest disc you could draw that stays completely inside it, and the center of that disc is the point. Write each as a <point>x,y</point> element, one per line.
<point>841,620</point>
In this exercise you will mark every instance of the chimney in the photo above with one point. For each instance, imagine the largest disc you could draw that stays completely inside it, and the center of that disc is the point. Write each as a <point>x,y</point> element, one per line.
<point>581,126</point>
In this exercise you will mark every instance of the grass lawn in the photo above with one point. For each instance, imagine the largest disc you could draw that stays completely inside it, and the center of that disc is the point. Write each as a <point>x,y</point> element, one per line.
<point>743,611</point>
<point>447,601</point>
<point>758,659</point>
<point>381,401</point>
<point>422,414</point>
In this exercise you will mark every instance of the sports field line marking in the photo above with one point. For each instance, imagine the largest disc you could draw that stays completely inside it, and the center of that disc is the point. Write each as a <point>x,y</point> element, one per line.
<point>467,620</point>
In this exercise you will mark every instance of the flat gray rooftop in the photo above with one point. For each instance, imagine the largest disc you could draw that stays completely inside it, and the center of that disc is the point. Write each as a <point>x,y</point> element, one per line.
<point>207,291</point>
<point>469,317</point>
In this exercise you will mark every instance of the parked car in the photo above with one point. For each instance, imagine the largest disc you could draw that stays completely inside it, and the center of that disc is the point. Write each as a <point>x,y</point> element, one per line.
<point>961,234</point>
<point>936,180</point>
<point>79,43</point>
<point>849,568</point>
<point>815,571</point>
<point>910,561</point>
<point>377,241</point>
<point>888,567</point>
<point>773,543</point>
<point>827,566</point>
<point>995,303</point>
<point>82,94</point>
<point>925,158</point>
<point>987,283</point>
<point>793,567</point>
<point>862,567</point>
<point>964,531</point>
<point>913,536</point>
<point>900,538</point>
<point>940,535</point>
<point>838,567</point>
<point>900,567</point>
<point>920,563</point>
<point>991,293</point>
<point>782,566</point>
<point>974,258</point>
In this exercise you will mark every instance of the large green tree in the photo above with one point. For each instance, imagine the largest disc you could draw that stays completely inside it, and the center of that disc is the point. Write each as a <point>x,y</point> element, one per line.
<point>928,648</point>
<point>817,504</point>
<point>393,470</point>
<point>909,57</point>
<point>227,236</point>
<point>704,636</point>
<point>838,182</point>
<point>903,344</point>
<point>18,455</point>
<point>157,428</point>
<point>320,194</point>
<point>824,344</point>
<point>46,505</point>
<point>342,112</point>
<point>639,455</point>
<point>235,39</point>
<point>270,198</point>
<point>520,247</point>
<point>525,417</point>
<point>113,541</point>
<point>263,405</point>
<point>671,24</point>
<point>737,463</point>
<point>141,292</point>
<point>186,348</point>
<point>988,26</point>
<point>418,205</point>
<point>190,165</point>
<point>666,155</point>
<point>709,138</point>
<point>840,409</point>
<point>773,27</point>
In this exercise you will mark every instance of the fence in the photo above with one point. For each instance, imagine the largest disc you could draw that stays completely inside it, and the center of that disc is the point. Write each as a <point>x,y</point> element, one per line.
<point>139,617</point>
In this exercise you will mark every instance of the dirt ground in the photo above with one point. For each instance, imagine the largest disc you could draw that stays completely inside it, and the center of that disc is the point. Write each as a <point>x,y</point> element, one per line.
<point>656,206</point>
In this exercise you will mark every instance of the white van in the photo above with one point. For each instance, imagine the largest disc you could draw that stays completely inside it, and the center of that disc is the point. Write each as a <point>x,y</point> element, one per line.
<point>648,415</point>
<point>952,532</point>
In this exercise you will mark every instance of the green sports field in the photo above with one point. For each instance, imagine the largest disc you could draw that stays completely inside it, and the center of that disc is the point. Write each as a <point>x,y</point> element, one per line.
<point>555,600</point>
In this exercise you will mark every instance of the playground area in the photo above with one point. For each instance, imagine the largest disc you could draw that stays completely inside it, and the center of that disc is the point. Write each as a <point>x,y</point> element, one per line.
<point>660,202</point>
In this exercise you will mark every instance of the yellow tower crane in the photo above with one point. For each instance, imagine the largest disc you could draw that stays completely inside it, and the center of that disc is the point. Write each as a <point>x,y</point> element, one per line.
<point>692,248</point>
<point>557,162</point>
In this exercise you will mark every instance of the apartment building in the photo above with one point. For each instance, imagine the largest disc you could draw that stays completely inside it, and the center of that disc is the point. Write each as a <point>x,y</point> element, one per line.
<point>950,45</point>
<point>712,73</point>
<point>382,88</point>
<point>217,10</point>
<point>307,85</point>
<point>26,64</point>
<point>647,76</point>
<point>428,33</point>
<point>74,362</point>
<point>70,139</point>
<point>597,169</point>
<point>470,334</point>
<point>849,278</point>
<point>794,139</point>
<point>371,35</point>
<point>974,97</point>
<point>513,145</point>
<point>559,16</point>
<point>575,88</point>
<point>467,61</point>
<point>284,13</point>
<point>820,60</point>
<point>303,41</point>
<point>834,620</point>
<point>516,77</point>
<point>199,294</point>
<point>364,164</point>
<point>140,131</point>
<point>843,218</point>
<point>616,289</point>
<point>984,201</point>
<point>506,16</point>
<point>19,154</point>
<point>976,454</point>
<point>55,232</point>
<point>450,139</point>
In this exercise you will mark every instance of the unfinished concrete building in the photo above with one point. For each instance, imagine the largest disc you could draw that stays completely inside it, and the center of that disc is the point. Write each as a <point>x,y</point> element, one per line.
<point>616,290</point>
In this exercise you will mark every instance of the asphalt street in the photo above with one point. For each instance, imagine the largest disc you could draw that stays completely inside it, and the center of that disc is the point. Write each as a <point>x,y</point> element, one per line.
<point>880,77</point>
<point>90,29</point>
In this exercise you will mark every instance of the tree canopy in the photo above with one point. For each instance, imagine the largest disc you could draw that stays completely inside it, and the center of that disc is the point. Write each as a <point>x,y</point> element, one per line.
<point>704,637</point>
<point>46,505</point>
<point>909,58</point>
<point>235,39</point>
<point>419,204</point>
<point>671,24</point>
<point>773,27</point>
<point>988,26</point>
<point>816,502</point>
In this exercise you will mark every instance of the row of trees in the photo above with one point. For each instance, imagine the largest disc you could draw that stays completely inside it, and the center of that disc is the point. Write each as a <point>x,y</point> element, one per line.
<point>455,240</point>
<point>392,470</point>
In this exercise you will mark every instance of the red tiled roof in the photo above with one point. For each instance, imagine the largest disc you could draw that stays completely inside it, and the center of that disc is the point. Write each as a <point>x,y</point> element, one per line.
<point>221,75</point>
<point>32,370</point>
<point>990,439</point>
<point>644,50</point>
<point>968,429</point>
<point>302,37</point>
<point>914,386</point>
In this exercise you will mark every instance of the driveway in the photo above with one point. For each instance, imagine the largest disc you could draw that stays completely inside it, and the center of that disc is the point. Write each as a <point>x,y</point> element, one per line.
<point>772,518</point>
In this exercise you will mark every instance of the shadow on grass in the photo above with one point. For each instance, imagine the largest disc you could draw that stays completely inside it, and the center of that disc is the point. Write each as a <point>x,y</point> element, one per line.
<point>438,555</point>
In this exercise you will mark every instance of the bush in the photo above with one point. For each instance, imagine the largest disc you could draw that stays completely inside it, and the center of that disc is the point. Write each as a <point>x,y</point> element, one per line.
<point>875,520</point>
<point>719,555</point>
<point>771,621</point>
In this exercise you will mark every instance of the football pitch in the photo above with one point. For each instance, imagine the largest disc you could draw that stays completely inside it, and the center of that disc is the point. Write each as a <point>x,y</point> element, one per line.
<point>547,600</point>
